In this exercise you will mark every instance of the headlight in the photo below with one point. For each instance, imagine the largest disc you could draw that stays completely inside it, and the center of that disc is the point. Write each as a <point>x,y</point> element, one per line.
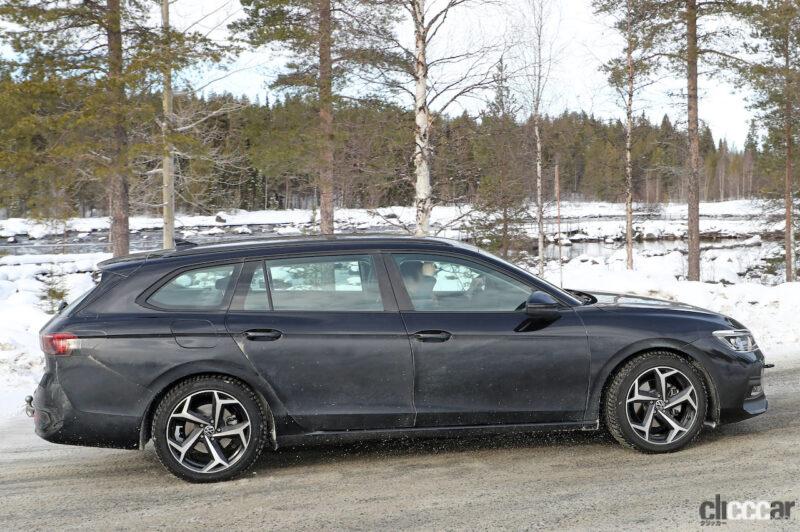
<point>740,340</point>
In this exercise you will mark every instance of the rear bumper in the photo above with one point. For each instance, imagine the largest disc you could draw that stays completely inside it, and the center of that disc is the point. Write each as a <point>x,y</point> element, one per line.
<point>57,421</point>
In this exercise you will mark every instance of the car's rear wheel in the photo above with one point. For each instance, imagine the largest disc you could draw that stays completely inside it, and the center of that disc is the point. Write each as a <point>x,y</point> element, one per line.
<point>656,403</point>
<point>209,428</point>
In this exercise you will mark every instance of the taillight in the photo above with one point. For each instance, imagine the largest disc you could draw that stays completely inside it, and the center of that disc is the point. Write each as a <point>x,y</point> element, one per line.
<point>59,344</point>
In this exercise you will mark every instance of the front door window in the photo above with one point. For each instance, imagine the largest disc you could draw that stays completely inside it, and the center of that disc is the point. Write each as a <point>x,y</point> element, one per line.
<point>439,283</point>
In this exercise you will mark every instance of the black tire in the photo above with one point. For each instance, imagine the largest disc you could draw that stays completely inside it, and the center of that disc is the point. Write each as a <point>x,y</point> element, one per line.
<point>248,404</point>
<point>617,413</point>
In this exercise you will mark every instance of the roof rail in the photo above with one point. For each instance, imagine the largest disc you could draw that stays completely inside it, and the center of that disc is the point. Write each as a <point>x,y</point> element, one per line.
<point>180,243</point>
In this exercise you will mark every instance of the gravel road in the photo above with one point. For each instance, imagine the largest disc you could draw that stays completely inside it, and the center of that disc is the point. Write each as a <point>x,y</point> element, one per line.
<point>580,481</point>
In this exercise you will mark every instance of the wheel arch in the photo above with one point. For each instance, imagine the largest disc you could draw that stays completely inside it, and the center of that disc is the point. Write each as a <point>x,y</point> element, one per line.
<point>180,374</point>
<point>681,349</point>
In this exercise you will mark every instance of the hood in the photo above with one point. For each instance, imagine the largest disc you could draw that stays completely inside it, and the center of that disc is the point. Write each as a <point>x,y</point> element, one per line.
<point>611,302</point>
<point>610,299</point>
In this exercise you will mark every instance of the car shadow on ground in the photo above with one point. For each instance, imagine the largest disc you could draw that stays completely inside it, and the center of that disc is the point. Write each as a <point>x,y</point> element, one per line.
<point>318,454</point>
<point>780,417</point>
<point>599,441</point>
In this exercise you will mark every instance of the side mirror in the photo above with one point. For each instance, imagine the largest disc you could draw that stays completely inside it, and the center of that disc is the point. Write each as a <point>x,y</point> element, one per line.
<point>62,306</point>
<point>540,303</point>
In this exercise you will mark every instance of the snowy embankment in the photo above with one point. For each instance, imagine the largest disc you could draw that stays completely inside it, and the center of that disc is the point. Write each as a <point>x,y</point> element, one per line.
<point>771,312</point>
<point>584,221</point>
<point>23,306</point>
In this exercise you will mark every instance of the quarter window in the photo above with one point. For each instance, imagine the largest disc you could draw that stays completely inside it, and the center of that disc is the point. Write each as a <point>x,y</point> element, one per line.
<point>342,283</point>
<point>438,283</point>
<point>200,289</point>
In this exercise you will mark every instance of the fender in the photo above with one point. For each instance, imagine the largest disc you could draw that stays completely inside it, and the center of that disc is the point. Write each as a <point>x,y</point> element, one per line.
<point>159,387</point>
<point>651,344</point>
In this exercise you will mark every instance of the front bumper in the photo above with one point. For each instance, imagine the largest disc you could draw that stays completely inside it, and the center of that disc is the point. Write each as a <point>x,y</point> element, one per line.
<point>747,404</point>
<point>734,376</point>
<point>58,421</point>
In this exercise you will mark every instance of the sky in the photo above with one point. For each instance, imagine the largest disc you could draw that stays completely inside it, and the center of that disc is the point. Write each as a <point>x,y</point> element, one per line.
<point>582,40</point>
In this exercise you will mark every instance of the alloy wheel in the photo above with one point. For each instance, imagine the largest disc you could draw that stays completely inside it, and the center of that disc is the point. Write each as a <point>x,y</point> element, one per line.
<point>662,405</point>
<point>208,431</point>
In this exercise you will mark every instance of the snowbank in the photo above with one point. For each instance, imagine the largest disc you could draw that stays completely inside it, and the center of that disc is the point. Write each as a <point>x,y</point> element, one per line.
<point>23,313</point>
<point>594,220</point>
<point>770,312</point>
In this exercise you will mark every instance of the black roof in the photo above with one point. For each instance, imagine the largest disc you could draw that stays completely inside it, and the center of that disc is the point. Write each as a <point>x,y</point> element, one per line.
<point>326,241</point>
<point>256,246</point>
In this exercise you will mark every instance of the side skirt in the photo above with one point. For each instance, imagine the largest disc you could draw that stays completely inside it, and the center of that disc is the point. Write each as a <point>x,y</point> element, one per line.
<point>323,437</point>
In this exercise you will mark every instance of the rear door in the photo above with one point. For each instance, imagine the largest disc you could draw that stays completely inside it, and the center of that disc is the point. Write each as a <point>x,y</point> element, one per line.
<point>326,333</point>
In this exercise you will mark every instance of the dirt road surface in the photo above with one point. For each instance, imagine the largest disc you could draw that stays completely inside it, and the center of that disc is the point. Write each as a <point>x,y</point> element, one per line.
<point>568,480</point>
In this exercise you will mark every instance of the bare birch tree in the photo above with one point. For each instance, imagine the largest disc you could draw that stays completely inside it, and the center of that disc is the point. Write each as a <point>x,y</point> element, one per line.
<point>434,77</point>
<point>628,75</point>
<point>535,54</point>
<point>168,158</point>
<point>181,48</point>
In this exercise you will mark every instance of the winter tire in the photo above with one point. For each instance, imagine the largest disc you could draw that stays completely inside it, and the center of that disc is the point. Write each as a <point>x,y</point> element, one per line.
<point>656,403</point>
<point>209,429</point>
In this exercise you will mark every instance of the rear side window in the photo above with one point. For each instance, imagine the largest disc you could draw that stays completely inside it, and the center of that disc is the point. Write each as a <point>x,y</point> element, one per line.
<point>341,283</point>
<point>200,289</point>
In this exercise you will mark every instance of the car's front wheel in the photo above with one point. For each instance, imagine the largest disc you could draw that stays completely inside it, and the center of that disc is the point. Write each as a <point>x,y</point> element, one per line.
<point>209,428</point>
<point>656,403</point>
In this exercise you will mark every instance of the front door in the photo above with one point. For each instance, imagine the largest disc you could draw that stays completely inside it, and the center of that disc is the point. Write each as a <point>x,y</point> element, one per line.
<point>325,332</point>
<point>478,357</point>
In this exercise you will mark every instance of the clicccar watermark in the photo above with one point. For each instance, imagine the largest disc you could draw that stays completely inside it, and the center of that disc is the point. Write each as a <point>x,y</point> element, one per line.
<point>719,512</point>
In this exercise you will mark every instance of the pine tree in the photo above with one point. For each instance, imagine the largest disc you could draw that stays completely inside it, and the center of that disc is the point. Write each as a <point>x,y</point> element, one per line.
<point>501,193</point>
<point>775,77</point>
<point>690,33</point>
<point>328,40</point>
<point>99,47</point>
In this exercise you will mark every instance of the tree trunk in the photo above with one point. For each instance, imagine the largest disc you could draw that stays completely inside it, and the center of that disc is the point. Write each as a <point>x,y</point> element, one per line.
<point>326,179</point>
<point>266,192</point>
<point>539,202</point>
<point>557,184</point>
<point>629,141</point>
<point>504,240</point>
<point>168,160</point>
<point>789,192</point>
<point>422,200</point>
<point>693,184</point>
<point>722,164</point>
<point>118,202</point>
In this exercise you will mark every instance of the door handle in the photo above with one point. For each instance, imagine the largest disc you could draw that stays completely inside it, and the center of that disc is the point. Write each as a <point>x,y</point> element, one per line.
<point>263,335</point>
<point>432,336</point>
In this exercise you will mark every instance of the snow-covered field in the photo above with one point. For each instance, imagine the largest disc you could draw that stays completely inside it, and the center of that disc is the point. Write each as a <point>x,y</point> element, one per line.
<point>581,221</point>
<point>770,311</point>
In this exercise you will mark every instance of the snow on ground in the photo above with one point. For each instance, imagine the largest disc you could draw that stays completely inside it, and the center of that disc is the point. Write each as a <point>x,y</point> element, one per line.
<point>586,220</point>
<point>23,311</point>
<point>770,312</point>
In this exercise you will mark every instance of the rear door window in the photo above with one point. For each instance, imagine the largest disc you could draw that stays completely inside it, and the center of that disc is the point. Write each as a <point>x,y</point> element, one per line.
<point>326,283</point>
<point>200,289</point>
